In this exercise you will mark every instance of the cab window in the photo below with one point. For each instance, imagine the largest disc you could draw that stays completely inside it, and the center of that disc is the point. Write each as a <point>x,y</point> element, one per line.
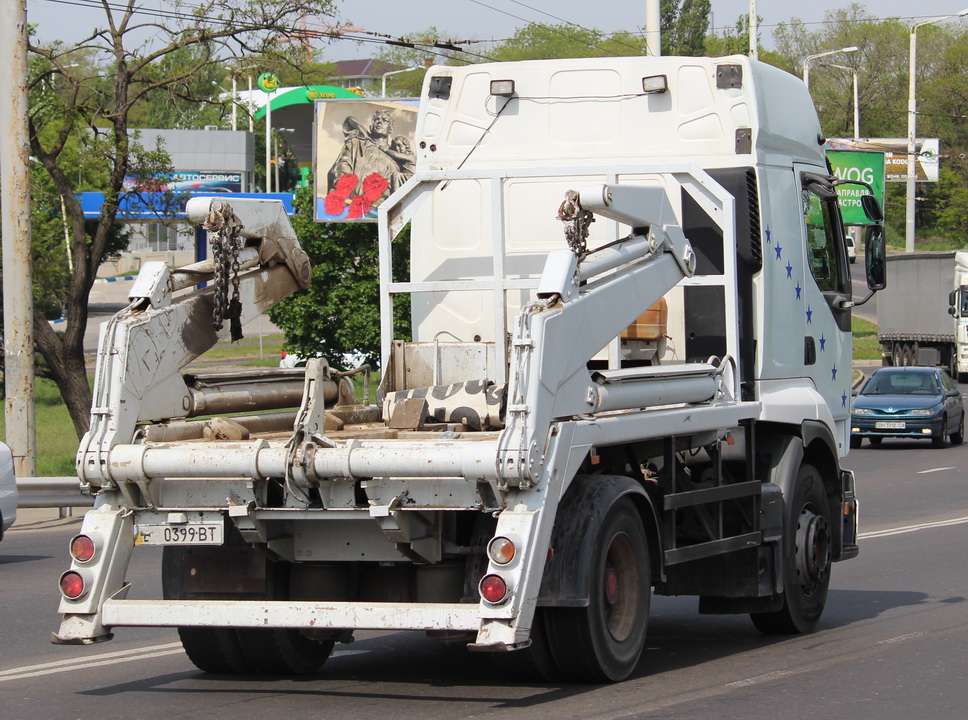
<point>826,252</point>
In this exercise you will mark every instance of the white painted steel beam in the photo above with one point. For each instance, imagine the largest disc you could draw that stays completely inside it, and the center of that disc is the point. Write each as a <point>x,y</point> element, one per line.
<point>289,614</point>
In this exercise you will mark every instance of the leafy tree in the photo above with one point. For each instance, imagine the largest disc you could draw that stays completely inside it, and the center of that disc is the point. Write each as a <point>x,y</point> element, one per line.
<point>97,105</point>
<point>685,26</point>
<point>340,312</point>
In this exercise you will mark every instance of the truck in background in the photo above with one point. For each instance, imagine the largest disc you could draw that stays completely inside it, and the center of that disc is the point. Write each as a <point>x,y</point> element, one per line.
<point>629,374</point>
<point>922,316</point>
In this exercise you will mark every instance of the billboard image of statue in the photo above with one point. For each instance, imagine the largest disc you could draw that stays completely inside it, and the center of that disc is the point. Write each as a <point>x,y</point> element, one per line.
<point>364,152</point>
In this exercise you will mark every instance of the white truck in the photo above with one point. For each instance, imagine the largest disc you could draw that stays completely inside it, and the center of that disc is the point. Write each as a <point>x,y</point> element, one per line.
<point>629,373</point>
<point>922,317</point>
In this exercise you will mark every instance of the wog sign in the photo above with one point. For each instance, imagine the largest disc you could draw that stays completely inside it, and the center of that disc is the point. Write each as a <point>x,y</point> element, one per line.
<point>860,166</point>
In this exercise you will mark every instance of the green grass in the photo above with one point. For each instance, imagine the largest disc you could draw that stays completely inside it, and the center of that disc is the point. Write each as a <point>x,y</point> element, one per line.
<point>56,439</point>
<point>866,346</point>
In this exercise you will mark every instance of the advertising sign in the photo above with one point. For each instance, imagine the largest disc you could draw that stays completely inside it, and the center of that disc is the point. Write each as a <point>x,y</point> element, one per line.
<point>861,166</point>
<point>186,181</point>
<point>896,156</point>
<point>363,152</point>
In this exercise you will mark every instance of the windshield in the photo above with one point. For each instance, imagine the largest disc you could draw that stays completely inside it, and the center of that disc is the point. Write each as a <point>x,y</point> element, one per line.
<point>902,383</point>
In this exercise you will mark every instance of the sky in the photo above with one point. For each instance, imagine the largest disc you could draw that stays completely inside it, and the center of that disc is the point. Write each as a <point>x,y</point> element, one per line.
<point>70,20</point>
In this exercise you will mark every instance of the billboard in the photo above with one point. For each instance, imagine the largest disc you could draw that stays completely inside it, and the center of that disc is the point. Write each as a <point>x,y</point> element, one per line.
<point>896,156</point>
<point>363,151</point>
<point>864,166</point>
<point>186,180</point>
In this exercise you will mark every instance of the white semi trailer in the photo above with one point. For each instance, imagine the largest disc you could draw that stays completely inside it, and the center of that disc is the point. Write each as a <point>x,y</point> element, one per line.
<point>922,318</point>
<point>629,374</point>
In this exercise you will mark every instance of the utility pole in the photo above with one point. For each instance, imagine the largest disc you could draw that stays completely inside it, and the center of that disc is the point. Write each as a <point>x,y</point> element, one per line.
<point>653,28</point>
<point>18,310</point>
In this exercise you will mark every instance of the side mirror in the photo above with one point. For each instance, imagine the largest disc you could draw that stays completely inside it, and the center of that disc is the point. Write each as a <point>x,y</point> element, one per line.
<point>875,253</point>
<point>872,208</point>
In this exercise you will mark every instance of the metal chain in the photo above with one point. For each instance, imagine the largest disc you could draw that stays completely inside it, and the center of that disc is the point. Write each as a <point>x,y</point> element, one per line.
<point>224,226</point>
<point>576,220</point>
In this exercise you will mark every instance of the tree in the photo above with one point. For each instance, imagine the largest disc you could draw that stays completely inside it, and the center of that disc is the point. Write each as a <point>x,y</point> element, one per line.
<point>684,27</point>
<point>340,312</point>
<point>97,108</point>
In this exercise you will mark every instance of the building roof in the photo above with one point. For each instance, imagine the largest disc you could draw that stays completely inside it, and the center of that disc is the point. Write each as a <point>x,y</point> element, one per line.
<point>368,68</point>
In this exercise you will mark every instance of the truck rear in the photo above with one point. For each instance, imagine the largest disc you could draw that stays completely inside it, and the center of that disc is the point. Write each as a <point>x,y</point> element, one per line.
<point>922,317</point>
<point>629,374</point>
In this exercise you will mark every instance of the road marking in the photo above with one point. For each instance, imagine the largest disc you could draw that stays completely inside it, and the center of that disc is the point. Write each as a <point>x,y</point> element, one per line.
<point>776,675</point>
<point>932,470</point>
<point>901,638</point>
<point>912,528</point>
<point>59,666</point>
<point>152,651</point>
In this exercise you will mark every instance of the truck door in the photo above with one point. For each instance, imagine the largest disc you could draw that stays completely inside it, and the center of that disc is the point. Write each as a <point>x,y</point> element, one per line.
<point>827,294</point>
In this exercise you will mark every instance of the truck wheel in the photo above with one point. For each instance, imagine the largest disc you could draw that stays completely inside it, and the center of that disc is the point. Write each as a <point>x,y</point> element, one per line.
<point>213,650</point>
<point>896,358</point>
<point>806,569</point>
<point>958,436</point>
<point>283,651</point>
<point>906,355</point>
<point>533,664</point>
<point>603,641</point>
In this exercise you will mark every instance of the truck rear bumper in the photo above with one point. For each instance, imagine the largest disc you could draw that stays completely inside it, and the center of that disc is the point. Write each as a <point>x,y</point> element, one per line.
<point>291,614</point>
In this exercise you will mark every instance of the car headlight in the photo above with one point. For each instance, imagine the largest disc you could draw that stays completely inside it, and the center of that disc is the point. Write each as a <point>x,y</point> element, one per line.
<point>925,412</point>
<point>862,411</point>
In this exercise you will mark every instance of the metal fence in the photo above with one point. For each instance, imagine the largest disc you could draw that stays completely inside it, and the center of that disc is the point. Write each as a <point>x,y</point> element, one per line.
<point>51,492</point>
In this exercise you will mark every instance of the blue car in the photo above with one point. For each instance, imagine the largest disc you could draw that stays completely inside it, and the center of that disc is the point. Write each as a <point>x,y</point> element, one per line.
<point>908,402</point>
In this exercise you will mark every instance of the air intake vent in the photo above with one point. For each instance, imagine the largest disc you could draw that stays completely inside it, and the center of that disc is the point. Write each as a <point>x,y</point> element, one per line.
<point>753,203</point>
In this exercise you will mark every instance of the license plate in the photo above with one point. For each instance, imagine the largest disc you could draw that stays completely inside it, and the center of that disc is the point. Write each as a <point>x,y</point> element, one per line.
<point>184,534</point>
<point>886,425</point>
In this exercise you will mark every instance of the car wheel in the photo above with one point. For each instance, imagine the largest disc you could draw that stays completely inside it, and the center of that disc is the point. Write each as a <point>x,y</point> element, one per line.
<point>938,440</point>
<point>958,436</point>
<point>855,443</point>
<point>874,440</point>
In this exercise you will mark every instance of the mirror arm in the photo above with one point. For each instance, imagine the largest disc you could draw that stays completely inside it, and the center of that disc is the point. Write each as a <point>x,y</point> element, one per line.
<point>861,302</point>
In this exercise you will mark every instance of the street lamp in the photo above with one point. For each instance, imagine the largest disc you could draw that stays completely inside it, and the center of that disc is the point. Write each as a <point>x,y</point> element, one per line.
<point>383,79</point>
<point>912,128</point>
<point>856,97</point>
<point>809,58</point>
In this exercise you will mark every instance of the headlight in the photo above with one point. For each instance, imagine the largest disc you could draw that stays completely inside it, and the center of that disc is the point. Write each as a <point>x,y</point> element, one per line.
<point>926,412</point>
<point>862,411</point>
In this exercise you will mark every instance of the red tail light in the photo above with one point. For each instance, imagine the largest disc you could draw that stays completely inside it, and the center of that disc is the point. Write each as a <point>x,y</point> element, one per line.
<point>493,588</point>
<point>72,585</point>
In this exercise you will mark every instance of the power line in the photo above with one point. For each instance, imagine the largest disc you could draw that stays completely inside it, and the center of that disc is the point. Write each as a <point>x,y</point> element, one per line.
<point>525,20</point>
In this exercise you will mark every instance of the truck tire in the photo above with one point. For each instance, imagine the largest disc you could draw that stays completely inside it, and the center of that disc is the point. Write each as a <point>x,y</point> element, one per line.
<point>897,358</point>
<point>282,651</point>
<point>212,650</point>
<point>906,355</point>
<point>534,663</point>
<point>603,641</point>
<point>806,565</point>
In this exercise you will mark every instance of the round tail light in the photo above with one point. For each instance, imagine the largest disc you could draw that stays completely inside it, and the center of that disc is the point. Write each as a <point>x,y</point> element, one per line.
<point>72,585</point>
<point>493,588</point>
<point>500,550</point>
<point>82,548</point>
